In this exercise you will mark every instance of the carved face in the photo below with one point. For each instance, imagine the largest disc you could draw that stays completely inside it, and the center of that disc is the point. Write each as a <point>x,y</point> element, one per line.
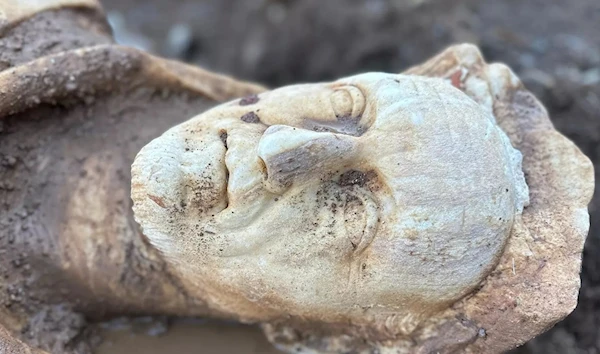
<point>375,195</point>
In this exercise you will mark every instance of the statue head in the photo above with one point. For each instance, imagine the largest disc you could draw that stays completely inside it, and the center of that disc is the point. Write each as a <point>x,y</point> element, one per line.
<point>374,195</point>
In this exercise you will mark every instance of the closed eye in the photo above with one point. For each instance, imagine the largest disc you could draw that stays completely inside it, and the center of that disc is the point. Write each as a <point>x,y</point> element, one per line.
<point>347,106</point>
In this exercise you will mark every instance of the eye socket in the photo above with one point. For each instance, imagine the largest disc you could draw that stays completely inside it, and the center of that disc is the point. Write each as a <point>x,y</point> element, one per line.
<point>348,102</point>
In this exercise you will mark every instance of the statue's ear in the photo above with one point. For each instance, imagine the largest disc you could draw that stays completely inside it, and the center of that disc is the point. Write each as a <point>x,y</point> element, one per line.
<point>295,155</point>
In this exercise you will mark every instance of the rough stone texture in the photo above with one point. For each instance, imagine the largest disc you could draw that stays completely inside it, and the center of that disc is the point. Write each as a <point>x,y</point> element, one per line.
<point>64,29</point>
<point>535,284</point>
<point>13,12</point>
<point>55,164</point>
<point>10,344</point>
<point>71,123</point>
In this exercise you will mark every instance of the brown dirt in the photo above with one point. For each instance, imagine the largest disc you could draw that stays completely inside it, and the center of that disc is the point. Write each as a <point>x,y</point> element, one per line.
<point>32,238</point>
<point>250,117</point>
<point>553,45</point>
<point>248,100</point>
<point>353,178</point>
<point>67,29</point>
<point>60,329</point>
<point>64,175</point>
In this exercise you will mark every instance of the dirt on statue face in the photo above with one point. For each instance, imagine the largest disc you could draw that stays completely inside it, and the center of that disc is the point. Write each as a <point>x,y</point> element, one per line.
<point>374,195</point>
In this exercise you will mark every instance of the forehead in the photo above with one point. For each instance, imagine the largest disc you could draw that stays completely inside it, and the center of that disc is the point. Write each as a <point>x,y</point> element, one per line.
<point>368,83</point>
<point>419,101</point>
<point>383,86</point>
<point>385,89</point>
<point>357,104</point>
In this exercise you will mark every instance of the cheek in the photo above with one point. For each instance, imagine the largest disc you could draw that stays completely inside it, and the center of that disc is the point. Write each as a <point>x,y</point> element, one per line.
<point>437,255</point>
<point>333,223</point>
<point>317,228</point>
<point>309,226</point>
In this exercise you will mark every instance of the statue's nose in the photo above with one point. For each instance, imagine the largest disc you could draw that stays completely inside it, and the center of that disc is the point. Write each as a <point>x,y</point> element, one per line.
<point>295,156</point>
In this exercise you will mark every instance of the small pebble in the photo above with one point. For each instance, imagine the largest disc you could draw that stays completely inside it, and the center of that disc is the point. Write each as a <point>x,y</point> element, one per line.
<point>481,333</point>
<point>9,161</point>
